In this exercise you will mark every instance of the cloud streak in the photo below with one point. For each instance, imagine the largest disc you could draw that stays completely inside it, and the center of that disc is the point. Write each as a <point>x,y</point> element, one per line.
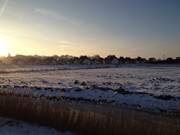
<point>54,15</point>
<point>3,7</point>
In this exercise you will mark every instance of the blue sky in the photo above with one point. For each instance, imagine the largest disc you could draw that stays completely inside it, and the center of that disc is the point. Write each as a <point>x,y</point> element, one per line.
<point>122,27</point>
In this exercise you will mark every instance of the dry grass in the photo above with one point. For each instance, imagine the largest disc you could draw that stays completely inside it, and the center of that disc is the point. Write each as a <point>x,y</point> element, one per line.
<point>87,120</point>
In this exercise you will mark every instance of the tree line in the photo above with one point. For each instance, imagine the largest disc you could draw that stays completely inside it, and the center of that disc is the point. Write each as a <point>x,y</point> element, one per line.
<point>83,60</point>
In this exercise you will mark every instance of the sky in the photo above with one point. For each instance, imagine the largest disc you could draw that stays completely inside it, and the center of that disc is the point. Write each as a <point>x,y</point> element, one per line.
<point>146,28</point>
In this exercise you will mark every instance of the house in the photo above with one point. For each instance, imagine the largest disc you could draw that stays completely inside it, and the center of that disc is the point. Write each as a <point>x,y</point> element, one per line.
<point>111,59</point>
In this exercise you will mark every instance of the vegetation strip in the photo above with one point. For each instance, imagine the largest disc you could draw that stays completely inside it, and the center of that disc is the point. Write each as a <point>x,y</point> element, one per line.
<point>87,119</point>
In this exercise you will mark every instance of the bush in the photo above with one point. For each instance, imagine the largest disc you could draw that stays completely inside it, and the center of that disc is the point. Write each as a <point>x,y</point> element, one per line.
<point>120,90</point>
<point>165,97</point>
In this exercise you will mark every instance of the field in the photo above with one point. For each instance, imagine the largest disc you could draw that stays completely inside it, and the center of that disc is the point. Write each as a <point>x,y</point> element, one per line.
<point>64,96</point>
<point>15,127</point>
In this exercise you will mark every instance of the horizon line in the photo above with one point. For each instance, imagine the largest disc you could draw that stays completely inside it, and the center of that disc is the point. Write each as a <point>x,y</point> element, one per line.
<point>160,58</point>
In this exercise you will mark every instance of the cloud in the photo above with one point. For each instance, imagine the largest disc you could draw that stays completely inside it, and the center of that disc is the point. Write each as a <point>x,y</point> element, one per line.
<point>3,8</point>
<point>66,42</point>
<point>54,15</point>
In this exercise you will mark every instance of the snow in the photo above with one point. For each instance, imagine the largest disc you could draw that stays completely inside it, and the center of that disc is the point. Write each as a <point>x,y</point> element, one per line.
<point>15,127</point>
<point>86,83</point>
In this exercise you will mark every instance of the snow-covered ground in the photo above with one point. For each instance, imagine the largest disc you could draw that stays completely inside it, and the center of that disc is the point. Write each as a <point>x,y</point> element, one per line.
<point>14,127</point>
<point>154,87</point>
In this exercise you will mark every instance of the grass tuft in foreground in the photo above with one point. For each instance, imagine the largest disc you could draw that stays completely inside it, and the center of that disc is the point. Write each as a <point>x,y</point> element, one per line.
<point>87,119</point>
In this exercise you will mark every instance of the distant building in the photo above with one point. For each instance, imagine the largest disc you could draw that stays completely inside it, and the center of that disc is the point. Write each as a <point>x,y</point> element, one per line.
<point>115,61</point>
<point>152,59</point>
<point>111,59</point>
<point>9,55</point>
<point>86,62</point>
<point>178,60</point>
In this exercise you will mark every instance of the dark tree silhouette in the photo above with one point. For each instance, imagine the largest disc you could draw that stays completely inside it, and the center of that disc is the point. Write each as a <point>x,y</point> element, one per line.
<point>85,60</point>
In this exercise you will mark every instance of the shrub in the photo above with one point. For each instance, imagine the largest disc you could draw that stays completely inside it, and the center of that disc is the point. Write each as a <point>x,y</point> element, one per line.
<point>122,91</point>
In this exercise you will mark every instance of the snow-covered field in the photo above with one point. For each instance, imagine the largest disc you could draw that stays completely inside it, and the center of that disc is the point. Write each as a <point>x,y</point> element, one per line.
<point>150,88</point>
<point>15,127</point>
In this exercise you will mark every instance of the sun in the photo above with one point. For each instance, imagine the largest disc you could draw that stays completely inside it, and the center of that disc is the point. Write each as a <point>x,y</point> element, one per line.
<point>3,47</point>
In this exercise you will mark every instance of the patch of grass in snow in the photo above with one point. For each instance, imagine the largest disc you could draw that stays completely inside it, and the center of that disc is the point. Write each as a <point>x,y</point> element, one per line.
<point>84,83</point>
<point>165,97</point>
<point>87,121</point>
<point>76,82</point>
<point>122,91</point>
<point>77,89</point>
